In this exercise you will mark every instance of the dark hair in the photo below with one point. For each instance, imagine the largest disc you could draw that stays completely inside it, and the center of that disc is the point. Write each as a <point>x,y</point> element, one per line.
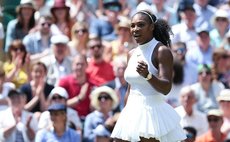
<point>41,64</point>
<point>21,20</point>
<point>178,71</point>
<point>17,44</point>
<point>161,31</point>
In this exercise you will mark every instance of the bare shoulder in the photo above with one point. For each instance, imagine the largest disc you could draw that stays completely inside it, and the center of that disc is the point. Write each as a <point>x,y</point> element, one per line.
<point>164,52</point>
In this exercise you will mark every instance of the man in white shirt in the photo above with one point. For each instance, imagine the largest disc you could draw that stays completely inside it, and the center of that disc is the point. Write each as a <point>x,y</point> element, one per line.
<point>189,115</point>
<point>16,124</point>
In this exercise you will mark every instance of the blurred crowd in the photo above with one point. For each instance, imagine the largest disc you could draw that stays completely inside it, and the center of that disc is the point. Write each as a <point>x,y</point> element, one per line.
<point>62,68</point>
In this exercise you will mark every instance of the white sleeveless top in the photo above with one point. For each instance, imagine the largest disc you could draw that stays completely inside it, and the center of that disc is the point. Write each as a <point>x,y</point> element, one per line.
<point>146,114</point>
<point>137,82</point>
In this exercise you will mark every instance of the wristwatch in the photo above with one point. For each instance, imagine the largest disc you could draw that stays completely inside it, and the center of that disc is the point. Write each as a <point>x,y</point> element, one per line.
<point>149,76</point>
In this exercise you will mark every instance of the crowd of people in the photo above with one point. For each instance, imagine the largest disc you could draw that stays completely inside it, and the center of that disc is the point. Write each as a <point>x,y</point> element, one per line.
<point>63,73</point>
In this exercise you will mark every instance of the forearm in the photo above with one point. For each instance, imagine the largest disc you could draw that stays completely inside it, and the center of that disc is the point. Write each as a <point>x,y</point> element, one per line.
<point>43,102</point>
<point>4,102</point>
<point>30,105</point>
<point>8,131</point>
<point>161,85</point>
<point>11,75</point>
<point>30,134</point>
<point>73,101</point>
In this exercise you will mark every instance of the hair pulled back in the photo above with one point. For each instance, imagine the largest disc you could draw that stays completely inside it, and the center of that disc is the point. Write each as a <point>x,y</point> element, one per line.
<point>162,30</point>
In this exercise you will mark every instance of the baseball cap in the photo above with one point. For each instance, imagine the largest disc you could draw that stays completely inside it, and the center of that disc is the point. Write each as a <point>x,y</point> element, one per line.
<point>60,91</point>
<point>113,5</point>
<point>59,38</point>
<point>57,107</point>
<point>224,95</point>
<point>215,112</point>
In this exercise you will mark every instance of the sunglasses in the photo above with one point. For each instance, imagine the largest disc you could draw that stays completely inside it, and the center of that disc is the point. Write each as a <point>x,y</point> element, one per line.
<point>206,72</point>
<point>57,98</point>
<point>225,57</point>
<point>105,97</point>
<point>221,19</point>
<point>180,50</point>
<point>81,31</point>
<point>46,24</point>
<point>17,49</point>
<point>95,46</point>
<point>214,119</point>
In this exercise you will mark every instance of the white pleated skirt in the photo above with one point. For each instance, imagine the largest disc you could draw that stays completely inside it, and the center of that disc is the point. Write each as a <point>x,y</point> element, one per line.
<point>148,117</point>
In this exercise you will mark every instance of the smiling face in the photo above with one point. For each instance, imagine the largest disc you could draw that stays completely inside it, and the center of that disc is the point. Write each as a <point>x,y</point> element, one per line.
<point>141,28</point>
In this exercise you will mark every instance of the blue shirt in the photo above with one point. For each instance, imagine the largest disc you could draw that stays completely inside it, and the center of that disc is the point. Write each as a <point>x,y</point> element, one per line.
<point>102,28</point>
<point>33,43</point>
<point>94,126</point>
<point>45,135</point>
<point>13,33</point>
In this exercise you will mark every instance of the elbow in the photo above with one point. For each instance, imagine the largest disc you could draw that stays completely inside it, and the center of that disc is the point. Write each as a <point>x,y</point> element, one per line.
<point>166,89</point>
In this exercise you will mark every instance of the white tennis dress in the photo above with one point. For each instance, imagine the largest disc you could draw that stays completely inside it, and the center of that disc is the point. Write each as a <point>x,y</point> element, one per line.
<point>146,113</point>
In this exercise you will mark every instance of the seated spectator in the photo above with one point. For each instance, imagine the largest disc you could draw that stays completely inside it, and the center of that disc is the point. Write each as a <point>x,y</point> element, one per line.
<point>224,102</point>
<point>62,20</point>
<point>16,124</point>
<point>189,114</point>
<point>206,89</point>
<point>103,100</point>
<point>100,71</point>
<point>59,95</point>
<point>185,31</point>
<point>104,26</point>
<point>201,53</point>
<point>119,48</point>
<point>221,26</point>
<point>37,90</point>
<point>38,43</point>
<point>215,120</point>
<point>17,67</point>
<point>59,131</point>
<point>59,65</point>
<point>221,68</point>
<point>5,87</point>
<point>18,28</point>
<point>79,39</point>
<point>78,86</point>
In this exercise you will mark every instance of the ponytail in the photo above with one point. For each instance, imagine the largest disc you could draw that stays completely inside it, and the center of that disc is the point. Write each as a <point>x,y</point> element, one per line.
<point>162,32</point>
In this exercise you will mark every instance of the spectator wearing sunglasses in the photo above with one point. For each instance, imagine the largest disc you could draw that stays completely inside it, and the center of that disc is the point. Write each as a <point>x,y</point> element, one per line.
<point>59,130</point>
<point>17,67</point>
<point>38,42</point>
<point>100,71</point>
<point>221,25</point>
<point>214,134</point>
<point>206,89</point>
<point>79,39</point>
<point>221,65</point>
<point>103,100</point>
<point>60,95</point>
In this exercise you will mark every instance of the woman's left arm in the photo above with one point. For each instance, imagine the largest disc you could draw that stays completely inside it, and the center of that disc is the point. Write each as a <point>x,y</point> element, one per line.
<point>163,82</point>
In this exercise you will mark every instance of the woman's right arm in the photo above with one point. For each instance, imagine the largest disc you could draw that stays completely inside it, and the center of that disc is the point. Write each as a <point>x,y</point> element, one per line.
<point>128,89</point>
